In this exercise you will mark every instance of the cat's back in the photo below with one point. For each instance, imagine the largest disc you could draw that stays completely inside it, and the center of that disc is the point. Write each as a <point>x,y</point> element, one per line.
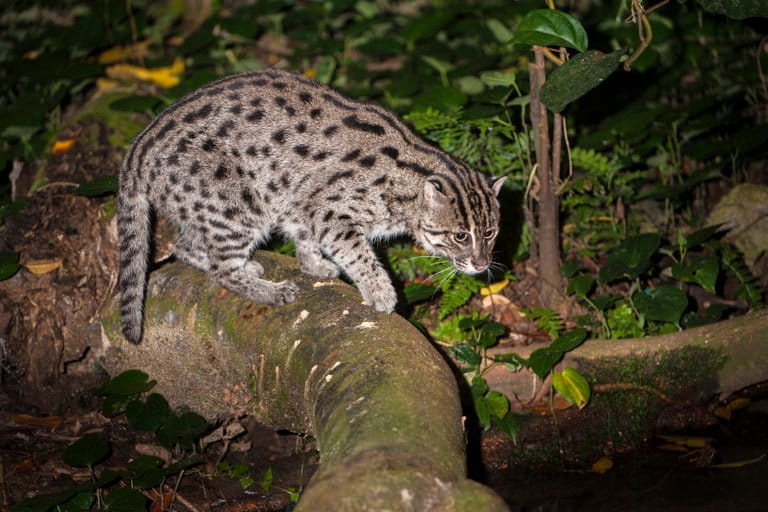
<point>262,125</point>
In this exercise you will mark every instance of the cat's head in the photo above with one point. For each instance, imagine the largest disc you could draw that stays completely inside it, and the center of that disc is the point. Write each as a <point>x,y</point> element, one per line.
<point>459,219</point>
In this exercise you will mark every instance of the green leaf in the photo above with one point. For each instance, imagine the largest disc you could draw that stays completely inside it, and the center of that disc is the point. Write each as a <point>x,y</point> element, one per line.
<point>697,238</point>
<point>149,478</point>
<point>580,286</point>
<point>144,463</point>
<point>737,9</point>
<point>80,501</point>
<point>483,411</point>
<point>184,429</point>
<point>508,424</point>
<point>445,99</point>
<point>136,103</point>
<point>577,77</point>
<point>98,186</point>
<point>470,85</point>
<point>125,500</point>
<point>115,404</point>
<point>149,415</point>
<point>86,451</point>
<point>631,258</point>
<point>542,360</point>
<point>569,268</point>
<point>466,354</point>
<point>569,340</point>
<point>499,31</point>
<point>9,264</point>
<point>498,404</point>
<point>266,481</point>
<point>512,360</point>
<point>666,303</point>
<point>426,25</point>
<point>479,386</point>
<point>706,271</point>
<point>130,382</point>
<point>547,27</point>
<point>572,386</point>
<point>498,78</point>
<point>417,292</point>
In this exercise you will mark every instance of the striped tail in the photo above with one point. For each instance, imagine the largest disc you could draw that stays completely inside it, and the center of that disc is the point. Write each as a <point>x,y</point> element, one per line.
<point>133,232</point>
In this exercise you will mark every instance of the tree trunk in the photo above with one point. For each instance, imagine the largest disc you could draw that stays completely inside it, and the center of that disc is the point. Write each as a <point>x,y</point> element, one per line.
<point>548,207</point>
<point>379,399</point>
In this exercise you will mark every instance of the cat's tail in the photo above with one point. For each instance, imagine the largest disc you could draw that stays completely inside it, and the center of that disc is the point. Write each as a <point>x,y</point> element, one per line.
<point>133,233</point>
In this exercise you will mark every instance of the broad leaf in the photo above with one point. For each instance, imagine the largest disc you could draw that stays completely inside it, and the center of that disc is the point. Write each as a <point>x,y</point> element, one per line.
<point>547,27</point>
<point>569,340</point>
<point>466,354</point>
<point>580,286</point>
<point>86,451</point>
<point>508,424</point>
<point>666,303</point>
<point>9,264</point>
<point>124,500</point>
<point>542,360</point>
<point>631,258</point>
<point>130,382</point>
<point>136,103</point>
<point>572,386</point>
<point>498,404</point>
<point>577,77</point>
<point>149,415</point>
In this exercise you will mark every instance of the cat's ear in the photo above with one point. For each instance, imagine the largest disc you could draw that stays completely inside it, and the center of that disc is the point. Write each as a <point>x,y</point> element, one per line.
<point>497,183</point>
<point>433,191</point>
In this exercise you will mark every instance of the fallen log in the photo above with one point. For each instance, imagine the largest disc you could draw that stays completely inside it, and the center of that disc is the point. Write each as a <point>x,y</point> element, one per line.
<point>379,399</point>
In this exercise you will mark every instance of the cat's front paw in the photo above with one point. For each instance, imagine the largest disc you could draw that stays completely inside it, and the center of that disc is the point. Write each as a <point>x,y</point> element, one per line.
<point>284,292</point>
<point>323,269</point>
<point>383,298</point>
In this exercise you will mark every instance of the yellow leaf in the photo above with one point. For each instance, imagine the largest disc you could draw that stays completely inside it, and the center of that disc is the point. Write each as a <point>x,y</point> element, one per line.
<point>105,84</point>
<point>723,412</point>
<point>602,465</point>
<point>120,53</point>
<point>62,146</point>
<point>738,403</point>
<point>41,267</point>
<point>741,463</point>
<point>494,288</point>
<point>166,76</point>
<point>688,441</point>
<point>310,73</point>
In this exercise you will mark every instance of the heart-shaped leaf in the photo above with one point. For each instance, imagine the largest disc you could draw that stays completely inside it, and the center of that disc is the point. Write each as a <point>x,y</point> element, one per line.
<point>547,27</point>
<point>577,77</point>
<point>666,303</point>
<point>572,386</point>
<point>86,451</point>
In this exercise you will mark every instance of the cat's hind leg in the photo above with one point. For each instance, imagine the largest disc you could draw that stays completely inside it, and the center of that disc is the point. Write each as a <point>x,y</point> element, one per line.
<point>229,251</point>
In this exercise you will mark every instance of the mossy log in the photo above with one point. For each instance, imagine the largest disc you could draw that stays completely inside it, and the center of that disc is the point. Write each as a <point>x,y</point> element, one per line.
<point>695,364</point>
<point>379,399</point>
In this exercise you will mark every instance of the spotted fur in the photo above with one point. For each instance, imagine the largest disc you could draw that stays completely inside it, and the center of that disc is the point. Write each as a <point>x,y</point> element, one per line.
<point>268,151</point>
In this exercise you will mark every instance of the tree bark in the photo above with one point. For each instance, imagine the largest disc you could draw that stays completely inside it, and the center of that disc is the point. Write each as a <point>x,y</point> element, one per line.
<point>379,399</point>
<point>548,228</point>
<point>715,360</point>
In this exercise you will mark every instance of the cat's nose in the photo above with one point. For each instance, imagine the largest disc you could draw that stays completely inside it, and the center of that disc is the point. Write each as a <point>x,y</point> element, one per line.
<point>478,264</point>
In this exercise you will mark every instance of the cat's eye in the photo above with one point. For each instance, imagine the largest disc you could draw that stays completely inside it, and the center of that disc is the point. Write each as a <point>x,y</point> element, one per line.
<point>461,236</point>
<point>489,233</point>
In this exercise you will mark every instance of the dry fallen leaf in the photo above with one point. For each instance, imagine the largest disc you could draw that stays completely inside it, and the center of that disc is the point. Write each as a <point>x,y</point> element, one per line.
<point>41,267</point>
<point>602,465</point>
<point>166,76</point>
<point>62,146</point>
<point>105,84</point>
<point>45,421</point>
<point>494,287</point>
<point>120,53</point>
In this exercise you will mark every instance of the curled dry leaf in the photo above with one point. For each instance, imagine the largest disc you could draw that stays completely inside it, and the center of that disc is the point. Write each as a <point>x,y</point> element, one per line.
<point>63,146</point>
<point>41,267</point>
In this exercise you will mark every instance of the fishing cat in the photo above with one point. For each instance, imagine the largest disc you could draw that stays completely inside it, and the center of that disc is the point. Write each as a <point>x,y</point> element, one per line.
<point>268,151</point>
